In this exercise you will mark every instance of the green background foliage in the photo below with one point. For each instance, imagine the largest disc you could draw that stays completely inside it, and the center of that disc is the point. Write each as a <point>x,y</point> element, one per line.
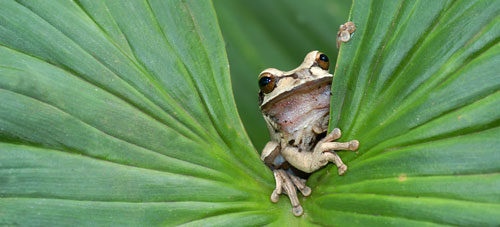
<point>121,113</point>
<point>262,34</point>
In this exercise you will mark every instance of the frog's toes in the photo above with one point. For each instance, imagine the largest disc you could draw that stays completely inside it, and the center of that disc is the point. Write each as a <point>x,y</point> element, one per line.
<point>275,197</point>
<point>333,135</point>
<point>297,211</point>
<point>335,158</point>
<point>353,145</point>
<point>289,183</point>
<point>338,146</point>
<point>300,184</point>
<point>345,32</point>
<point>342,169</point>
<point>306,191</point>
<point>337,132</point>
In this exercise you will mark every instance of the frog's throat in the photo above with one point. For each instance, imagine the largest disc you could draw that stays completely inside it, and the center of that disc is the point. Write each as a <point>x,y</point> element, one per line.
<point>286,94</point>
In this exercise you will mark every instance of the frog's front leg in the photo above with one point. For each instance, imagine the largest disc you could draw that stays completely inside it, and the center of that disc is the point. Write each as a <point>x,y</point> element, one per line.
<point>324,151</point>
<point>321,155</point>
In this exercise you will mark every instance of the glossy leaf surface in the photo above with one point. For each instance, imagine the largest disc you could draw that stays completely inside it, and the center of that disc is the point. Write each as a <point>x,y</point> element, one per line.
<point>418,86</point>
<point>121,113</point>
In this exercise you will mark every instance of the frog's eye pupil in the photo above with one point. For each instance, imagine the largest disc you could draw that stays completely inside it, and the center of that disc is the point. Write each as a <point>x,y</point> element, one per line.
<point>267,83</point>
<point>323,57</point>
<point>322,61</point>
<point>264,81</point>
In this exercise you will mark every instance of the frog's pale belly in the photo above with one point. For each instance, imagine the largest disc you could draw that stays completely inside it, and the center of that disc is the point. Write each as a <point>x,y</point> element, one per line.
<point>300,112</point>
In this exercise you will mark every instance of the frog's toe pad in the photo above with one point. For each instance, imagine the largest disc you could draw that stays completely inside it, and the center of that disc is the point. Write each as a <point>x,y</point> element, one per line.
<point>275,197</point>
<point>306,191</point>
<point>353,145</point>
<point>332,136</point>
<point>336,132</point>
<point>297,211</point>
<point>342,169</point>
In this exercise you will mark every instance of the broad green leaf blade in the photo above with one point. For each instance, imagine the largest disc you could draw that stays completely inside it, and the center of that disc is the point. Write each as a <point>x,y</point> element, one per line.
<point>418,86</point>
<point>121,113</point>
<point>262,34</point>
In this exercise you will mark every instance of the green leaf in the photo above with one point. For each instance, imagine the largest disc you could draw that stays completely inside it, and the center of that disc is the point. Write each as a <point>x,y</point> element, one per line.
<point>418,87</point>
<point>261,34</point>
<point>121,113</point>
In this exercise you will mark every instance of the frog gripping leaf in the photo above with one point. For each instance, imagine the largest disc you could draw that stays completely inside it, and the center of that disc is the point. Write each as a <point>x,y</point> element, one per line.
<point>296,107</point>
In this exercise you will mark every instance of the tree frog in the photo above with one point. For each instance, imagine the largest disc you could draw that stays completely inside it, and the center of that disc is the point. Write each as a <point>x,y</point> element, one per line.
<point>296,107</point>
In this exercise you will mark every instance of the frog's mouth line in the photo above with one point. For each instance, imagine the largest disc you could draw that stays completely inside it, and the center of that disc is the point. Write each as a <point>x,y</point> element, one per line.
<point>305,86</point>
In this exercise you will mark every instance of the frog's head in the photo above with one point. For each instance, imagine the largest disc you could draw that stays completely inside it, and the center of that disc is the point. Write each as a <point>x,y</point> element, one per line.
<point>275,84</point>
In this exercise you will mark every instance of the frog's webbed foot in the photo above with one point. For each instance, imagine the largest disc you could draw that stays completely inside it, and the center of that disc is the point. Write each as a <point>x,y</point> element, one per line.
<point>327,148</point>
<point>289,182</point>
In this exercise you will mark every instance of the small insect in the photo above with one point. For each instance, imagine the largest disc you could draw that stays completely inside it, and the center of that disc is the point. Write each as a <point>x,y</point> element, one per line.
<point>345,32</point>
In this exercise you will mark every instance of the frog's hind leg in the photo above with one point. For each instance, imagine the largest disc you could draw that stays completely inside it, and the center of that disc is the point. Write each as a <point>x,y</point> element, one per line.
<point>290,190</point>
<point>300,184</point>
<point>275,196</point>
<point>289,182</point>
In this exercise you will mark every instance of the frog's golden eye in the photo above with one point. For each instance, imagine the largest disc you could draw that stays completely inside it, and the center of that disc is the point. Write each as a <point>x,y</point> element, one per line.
<point>267,82</point>
<point>322,61</point>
